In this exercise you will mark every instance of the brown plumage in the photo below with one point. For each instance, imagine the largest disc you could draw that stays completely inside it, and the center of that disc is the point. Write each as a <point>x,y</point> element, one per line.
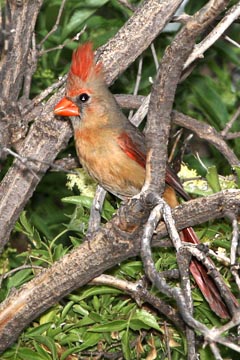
<point>113,151</point>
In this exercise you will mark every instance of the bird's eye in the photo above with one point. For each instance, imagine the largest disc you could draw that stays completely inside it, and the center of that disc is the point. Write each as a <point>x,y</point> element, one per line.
<point>84,97</point>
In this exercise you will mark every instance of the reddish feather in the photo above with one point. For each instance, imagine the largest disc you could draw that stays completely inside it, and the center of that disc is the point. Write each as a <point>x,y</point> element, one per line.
<point>203,280</point>
<point>128,146</point>
<point>83,73</point>
<point>83,64</point>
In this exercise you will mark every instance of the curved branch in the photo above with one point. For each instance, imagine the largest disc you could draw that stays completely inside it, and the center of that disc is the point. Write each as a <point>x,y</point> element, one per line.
<point>47,136</point>
<point>202,130</point>
<point>163,93</point>
<point>118,240</point>
<point>208,133</point>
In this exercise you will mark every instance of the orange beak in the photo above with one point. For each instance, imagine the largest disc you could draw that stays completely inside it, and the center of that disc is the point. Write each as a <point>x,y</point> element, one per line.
<point>66,107</point>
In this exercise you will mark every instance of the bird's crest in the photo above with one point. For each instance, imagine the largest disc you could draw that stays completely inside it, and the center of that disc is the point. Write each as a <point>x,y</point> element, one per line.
<point>83,63</point>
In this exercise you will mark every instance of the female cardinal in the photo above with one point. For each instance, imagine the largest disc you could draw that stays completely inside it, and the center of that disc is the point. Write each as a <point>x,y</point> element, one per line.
<point>113,151</point>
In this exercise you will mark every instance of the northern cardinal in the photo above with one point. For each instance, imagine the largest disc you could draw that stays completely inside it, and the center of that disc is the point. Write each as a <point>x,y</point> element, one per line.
<point>113,151</point>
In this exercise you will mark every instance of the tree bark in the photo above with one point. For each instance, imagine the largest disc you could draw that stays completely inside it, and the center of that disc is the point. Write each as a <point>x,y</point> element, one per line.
<point>118,240</point>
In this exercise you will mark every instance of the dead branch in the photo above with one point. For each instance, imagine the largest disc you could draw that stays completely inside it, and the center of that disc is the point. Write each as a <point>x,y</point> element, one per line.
<point>48,136</point>
<point>231,15</point>
<point>18,39</point>
<point>118,240</point>
<point>202,130</point>
<point>163,93</point>
<point>139,292</point>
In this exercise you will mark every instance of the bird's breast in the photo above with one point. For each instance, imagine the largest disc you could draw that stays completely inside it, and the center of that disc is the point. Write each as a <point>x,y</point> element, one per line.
<point>106,162</point>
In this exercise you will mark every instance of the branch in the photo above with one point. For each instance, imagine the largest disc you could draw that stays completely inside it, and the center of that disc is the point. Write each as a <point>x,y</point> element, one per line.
<point>163,93</point>
<point>135,36</point>
<point>118,240</point>
<point>47,136</point>
<point>202,130</point>
<point>13,65</point>
<point>231,15</point>
<point>208,133</point>
<point>139,292</point>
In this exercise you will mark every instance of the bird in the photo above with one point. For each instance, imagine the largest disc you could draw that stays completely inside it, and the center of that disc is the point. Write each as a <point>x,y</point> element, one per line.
<point>113,151</point>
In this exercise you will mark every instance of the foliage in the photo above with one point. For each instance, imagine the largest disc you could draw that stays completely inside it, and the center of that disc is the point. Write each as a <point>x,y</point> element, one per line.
<point>100,318</point>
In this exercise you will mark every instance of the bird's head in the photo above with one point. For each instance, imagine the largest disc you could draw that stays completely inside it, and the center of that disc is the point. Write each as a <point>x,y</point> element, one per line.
<point>84,79</point>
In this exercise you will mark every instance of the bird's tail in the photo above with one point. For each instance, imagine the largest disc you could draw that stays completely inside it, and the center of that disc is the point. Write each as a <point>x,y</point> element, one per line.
<point>205,282</point>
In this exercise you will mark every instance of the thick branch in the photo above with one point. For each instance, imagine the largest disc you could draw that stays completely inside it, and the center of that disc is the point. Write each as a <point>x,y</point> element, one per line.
<point>163,92</point>
<point>116,241</point>
<point>20,22</point>
<point>136,35</point>
<point>18,185</point>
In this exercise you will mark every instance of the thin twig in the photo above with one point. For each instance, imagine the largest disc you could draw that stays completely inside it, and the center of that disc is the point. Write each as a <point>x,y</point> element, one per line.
<point>22,159</point>
<point>137,83</point>
<point>19,268</point>
<point>142,112</point>
<point>220,257</point>
<point>55,26</point>
<point>183,261</point>
<point>182,18</point>
<point>231,136</point>
<point>215,351</point>
<point>235,239</point>
<point>140,294</point>
<point>32,66</point>
<point>166,339</point>
<point>155,58</point>
<point>178,137</point>
<point>234,246</point>
<point>39,98</point>
<point>96,209</point>
<point>231,15</point>
<point>231,41</point>
<point>226,294</point>
<point>225,131</point>
<point>26,159</point>
<point>61,46</point>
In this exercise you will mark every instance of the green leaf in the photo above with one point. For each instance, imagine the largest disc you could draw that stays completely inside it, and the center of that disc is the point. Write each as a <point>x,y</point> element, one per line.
<point>25,227</point>
<point>85,201</point>
<point>19,278</point>
<point>96,303</point>
<point>28,354</point>
<point>39,330</point>
<point>116,325</point>
<point>91,339</point>
<point>49,316</point>
<point>227,51</point>
<point>80,310</point>
<point>126,345</point>
<point>80,16</point>
<point>96,290</point>
<point>96,317</point>
<point>66,309</point>
<point>145,318</point>
<point>70,351</point>
<point>49,343</point>
<point>41,351</point>
<point>208,99</point>
<point>237,170</point>
<point>213,179</point>
<point>85,321</point>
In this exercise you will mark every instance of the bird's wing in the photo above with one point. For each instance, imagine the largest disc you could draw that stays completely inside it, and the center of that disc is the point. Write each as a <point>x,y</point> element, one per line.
<point>134,146</point>
<point>135,149</point>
